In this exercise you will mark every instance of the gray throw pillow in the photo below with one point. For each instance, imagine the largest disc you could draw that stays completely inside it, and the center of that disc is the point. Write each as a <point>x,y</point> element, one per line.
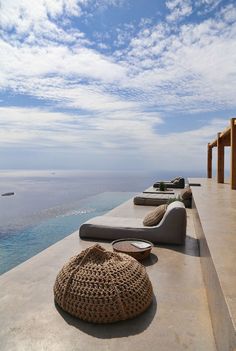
<point>175,180</point>
<point>186,194</point>
<point>154,217</point>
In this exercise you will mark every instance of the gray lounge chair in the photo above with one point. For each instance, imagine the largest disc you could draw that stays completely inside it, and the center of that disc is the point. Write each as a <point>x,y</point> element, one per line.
<point>177,183</point>
<point>171,229</point>
<point>154,199</point>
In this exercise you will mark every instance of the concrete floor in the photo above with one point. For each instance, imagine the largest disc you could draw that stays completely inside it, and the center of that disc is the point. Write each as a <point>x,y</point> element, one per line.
<point>177,320</point>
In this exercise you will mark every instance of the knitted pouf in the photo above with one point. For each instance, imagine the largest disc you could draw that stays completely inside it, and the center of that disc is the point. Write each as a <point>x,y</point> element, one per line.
<point>103,287</point>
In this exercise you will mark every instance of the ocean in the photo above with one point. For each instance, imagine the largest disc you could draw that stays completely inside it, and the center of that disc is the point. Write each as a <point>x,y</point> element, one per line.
<point>49,205</point>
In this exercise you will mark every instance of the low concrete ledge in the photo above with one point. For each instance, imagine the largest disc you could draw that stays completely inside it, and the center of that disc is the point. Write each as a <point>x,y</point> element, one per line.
<point>214,208</point>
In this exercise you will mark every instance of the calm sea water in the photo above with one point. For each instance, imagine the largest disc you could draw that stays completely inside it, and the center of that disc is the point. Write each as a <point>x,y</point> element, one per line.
<point>49,205</point>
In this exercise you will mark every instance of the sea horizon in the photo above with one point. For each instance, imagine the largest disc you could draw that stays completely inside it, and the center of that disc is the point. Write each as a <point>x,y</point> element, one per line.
<point>48,205</point>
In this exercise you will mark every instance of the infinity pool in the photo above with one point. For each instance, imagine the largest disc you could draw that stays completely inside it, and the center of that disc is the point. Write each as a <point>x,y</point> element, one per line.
<point>20,243</point>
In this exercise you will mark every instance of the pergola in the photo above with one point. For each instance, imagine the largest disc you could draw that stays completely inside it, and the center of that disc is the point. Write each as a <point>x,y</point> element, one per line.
<point>225,138</point>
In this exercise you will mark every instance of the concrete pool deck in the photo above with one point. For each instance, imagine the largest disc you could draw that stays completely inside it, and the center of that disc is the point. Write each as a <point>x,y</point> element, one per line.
<point>177,320</point>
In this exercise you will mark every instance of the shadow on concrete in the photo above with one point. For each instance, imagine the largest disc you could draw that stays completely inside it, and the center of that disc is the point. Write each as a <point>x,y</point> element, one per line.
<point>114,330</point>
<point>150,260</point>
<point>190,248</point>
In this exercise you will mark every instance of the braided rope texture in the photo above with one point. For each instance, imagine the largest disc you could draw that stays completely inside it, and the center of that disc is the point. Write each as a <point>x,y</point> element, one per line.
<point>100,286</point>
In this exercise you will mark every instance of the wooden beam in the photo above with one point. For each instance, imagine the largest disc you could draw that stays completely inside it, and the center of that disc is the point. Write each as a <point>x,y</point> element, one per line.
<point>214,143</point>
<point>233,154</point>
<point>209,161</point>
<point>220,159</point>
<point>226,132</point>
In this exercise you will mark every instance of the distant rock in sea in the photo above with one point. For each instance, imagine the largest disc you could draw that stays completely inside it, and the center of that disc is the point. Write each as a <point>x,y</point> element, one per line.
<point>8,194</point>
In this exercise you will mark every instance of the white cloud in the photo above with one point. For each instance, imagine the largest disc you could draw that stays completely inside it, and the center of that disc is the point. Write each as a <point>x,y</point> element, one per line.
<point>190,69</point>
<point>99,135</point>
<point>118,100</point>
<point>229,14</point>
<point>161,68</point>
<point>32,20</point>
<point>178,9</point>
<point>77,62</point>
<point>184,151</point>
<point>22,17</point>
<point>206,6</point>
<point>124,34</point>
<point>37,127</point>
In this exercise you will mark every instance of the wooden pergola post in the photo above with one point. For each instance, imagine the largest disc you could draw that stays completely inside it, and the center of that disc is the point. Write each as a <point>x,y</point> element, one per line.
<point>226,138</point>
<point>233,153</point>
<point>220,159</point>
<point>209,161</point>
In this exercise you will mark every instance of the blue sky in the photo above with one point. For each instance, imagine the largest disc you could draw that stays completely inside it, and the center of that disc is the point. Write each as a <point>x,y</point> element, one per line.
<point>114,84</point>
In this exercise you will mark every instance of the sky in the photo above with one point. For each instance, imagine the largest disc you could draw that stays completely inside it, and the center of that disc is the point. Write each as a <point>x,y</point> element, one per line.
<point>114,84</point>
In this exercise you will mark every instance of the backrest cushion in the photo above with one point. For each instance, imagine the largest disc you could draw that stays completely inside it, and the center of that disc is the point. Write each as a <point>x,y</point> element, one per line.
<point>186,194</point>
<point>175,179</point>
<point>154,217</point>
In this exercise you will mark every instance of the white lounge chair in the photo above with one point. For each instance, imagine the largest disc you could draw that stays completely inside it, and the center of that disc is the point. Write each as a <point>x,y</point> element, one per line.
<point>170,230</point>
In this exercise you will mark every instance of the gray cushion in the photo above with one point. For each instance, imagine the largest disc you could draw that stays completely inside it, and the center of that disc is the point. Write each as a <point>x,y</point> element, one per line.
<point>154,217</point>
<point>152,199</point>
<point>173,180</point>
<point>186,194</point>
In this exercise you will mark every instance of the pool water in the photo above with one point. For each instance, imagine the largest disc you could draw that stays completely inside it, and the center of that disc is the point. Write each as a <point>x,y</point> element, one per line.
<point>19,244</point>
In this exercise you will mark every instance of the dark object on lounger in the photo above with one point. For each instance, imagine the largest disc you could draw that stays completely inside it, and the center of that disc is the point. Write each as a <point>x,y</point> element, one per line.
<point>8,194</point>
<point>177,183</point>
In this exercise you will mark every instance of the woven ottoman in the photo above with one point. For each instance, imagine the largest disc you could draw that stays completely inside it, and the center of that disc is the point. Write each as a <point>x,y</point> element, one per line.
<point>100,286</point>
